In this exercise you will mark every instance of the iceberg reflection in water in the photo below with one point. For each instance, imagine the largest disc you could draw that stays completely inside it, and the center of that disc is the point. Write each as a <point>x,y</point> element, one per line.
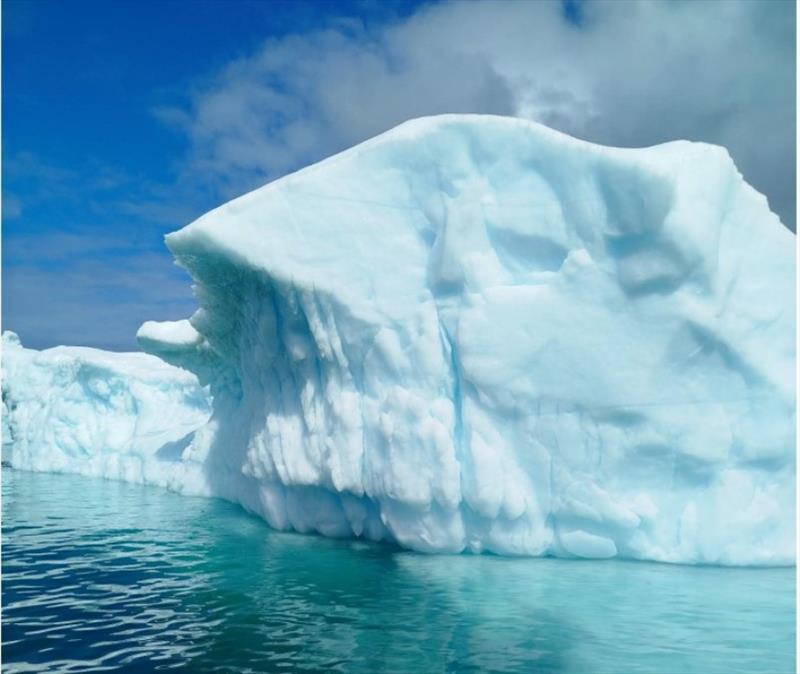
<point>108,576</point>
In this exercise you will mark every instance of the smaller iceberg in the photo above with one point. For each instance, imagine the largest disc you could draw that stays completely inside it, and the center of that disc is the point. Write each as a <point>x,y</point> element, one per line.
<point>125,416</point>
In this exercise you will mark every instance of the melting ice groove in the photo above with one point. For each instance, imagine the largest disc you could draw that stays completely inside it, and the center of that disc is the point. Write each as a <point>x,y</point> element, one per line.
<point>470,333</point>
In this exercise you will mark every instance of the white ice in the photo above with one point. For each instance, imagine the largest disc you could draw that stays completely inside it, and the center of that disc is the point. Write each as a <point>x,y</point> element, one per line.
<point>475,333</point>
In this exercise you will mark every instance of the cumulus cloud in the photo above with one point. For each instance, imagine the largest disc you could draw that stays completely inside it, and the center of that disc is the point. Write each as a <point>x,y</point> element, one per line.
<point>631,74</point>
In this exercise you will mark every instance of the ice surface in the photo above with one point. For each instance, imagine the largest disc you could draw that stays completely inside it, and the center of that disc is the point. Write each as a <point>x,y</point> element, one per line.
<point>475,333</point>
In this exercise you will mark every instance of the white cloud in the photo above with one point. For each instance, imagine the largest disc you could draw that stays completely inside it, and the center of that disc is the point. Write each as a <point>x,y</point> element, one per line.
<point>632,74</point>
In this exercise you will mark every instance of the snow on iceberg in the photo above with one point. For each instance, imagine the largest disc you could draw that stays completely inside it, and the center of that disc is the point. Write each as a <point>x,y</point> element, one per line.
<point>126,416</point>
<point>475,333</point>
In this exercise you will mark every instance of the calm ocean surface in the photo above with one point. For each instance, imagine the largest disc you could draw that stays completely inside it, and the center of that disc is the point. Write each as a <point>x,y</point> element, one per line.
<point>104,576</point>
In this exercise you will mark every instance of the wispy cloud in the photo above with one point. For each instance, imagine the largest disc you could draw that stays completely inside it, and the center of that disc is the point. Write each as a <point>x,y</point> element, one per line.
<point>73,295</point>
<point>621,73</point>
<point>83,268</point>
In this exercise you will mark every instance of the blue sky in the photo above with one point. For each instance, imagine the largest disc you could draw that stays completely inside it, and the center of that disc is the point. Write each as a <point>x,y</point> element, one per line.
<point>123,120</point>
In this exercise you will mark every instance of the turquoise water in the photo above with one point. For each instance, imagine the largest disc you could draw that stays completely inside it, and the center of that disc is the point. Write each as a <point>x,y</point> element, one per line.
<point>103,576</point>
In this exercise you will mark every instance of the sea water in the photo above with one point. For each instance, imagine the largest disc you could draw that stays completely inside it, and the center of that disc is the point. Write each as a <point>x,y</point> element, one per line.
<point>104,576</point>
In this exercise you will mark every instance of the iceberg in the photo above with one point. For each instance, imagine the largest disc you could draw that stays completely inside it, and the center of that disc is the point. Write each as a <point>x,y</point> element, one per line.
<point>125,416</point>
<point>473,333</point>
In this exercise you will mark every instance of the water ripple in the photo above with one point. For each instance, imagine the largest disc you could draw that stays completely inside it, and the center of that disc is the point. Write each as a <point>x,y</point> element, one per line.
<point>106,577</point>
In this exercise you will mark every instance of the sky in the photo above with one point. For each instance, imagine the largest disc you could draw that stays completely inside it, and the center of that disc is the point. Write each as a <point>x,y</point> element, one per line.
<point>125,120</point>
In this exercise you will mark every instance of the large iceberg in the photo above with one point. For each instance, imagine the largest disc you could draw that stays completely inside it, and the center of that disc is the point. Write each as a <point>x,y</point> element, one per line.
<point>475,333</point>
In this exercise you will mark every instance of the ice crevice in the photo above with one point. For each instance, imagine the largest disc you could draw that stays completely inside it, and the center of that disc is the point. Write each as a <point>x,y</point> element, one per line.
<point>470,333</point>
